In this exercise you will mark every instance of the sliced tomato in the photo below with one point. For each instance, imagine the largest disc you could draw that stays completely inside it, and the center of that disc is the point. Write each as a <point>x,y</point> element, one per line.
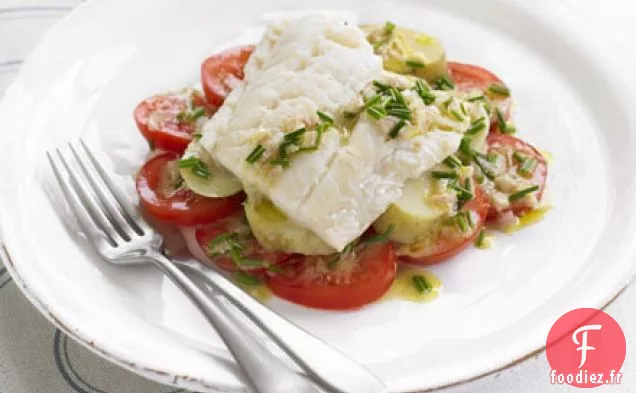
<point>160,195</point>
<point>449,240</point>
<point>237,225</point>
<point>220,72</point>
<point>507,145</point>
<point>472,78</point>
<point>162,122</point>
<point>357,279</point>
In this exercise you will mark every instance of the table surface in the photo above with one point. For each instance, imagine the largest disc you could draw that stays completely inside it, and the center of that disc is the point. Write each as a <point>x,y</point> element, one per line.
<point>35,357</point>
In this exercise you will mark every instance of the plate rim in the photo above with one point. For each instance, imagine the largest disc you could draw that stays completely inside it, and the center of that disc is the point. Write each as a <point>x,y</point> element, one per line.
<point>196,383</point>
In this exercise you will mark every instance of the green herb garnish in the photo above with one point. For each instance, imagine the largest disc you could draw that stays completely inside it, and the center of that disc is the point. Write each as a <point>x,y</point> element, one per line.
<point>499,89</point>
<point>452,161</point>
<point>415,64</point>
<point>476,98</point>
<point>523,193</point>
<point>424,92</point>
<point>246,279</point>
<point>395,130</point>
<point>527,167</point>
<point>325,117</point>
<point>420,283</point>
<point>458,116</point>
<point>389,27</point>
<point>476,126</point>
<point>380,238</point>
<point>479,242</point>
<point>444,83</point>
<point>197,166</point>
<point>256,154</point>
<point>443,175</point>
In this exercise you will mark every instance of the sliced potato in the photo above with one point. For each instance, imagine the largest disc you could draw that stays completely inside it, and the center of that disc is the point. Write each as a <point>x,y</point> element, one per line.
<point>415,215</point>
<point>275,231</point>
<point>220,183</point>
<point>406,51</point>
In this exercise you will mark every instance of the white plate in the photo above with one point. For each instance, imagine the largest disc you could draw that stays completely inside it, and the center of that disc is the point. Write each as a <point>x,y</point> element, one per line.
<point>574,100</point>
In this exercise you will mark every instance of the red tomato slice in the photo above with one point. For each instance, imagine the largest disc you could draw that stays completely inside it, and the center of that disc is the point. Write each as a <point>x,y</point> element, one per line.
<point>359,279</point>
<point>471,78</point>
<point>159,121</point>
<point>507,145</point>
<point>237,224</point>
<point>450,240</point>
<point>157,193</point>
<point>220,72</point>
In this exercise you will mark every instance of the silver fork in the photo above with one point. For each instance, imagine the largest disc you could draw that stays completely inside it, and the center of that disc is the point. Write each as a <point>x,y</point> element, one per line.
<point>120,235</point>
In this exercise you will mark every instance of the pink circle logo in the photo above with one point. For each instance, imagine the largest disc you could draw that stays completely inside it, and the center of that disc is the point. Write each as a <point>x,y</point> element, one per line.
<point>586,348</point>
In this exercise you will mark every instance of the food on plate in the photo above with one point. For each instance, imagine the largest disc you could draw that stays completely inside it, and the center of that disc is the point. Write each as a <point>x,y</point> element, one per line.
<point>318,160</point>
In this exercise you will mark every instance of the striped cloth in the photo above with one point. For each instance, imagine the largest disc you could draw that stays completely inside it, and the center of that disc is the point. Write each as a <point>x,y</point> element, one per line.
<point>37,358</point>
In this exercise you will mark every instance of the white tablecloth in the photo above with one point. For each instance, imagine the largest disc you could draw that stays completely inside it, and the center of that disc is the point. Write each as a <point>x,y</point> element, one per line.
<point>37,358</point>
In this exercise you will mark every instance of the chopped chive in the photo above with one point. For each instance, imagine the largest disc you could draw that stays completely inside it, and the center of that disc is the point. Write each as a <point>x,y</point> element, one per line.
<point>400,113</point>
<point>222,238</point>
<point>251,262</point>
<point>246,279</point>
<point>492,157</point>
<point>527,167</point>
<point>464,146</point>
<point>476,126</point>
<point>420,283</point>
<point>444,175</point>
<point>381,86</point>
<point>201,170</point>
<point>501,120</point>
<point>510,129</point>
<point>376,112</point>
<point>444,83</point>
<point>460,220</point>
<point>189,162</point>
<point>274,268</point>
<point>372,101</point>
<point>415,64</point>
<point>389,27</point>
<point>476,98</point>
<point>294,135</point>
<point>521,194</point>
<point>499,89</point>
<point>462,193</point>
<point>479,242</point>
<point>518,157</point>
<point>469,218</point>
<point>325,117</point>
<point>177,184</point>
<point>468,184</point>
<point>196,136</point>
<point>256,154</point>
<point>480,178</point>
<point>485,171</point>
<point>424,92</point>
<point>195,114</point>
<point>458,116</point>
<point>395,131</point>
<point>447,103</point>
<point>380,238</point>
<point>463,108</point>
<point>452,161</point>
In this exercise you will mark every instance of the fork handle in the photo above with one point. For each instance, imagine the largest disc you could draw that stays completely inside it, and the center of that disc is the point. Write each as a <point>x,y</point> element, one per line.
<point>265,372</point>
<point>327,366</point>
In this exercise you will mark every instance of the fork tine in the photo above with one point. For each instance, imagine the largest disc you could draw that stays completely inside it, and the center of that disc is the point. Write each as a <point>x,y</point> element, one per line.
<point>131,213</point>
<point>114,212</point>
<point>95,234</point>
<point>89,202</point>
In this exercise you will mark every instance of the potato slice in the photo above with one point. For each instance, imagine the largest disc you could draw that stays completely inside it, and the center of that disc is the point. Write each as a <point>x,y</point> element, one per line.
<point>406,51</point>
<point>221,182</point>
<point>275,231</point>
<point>415,215</point>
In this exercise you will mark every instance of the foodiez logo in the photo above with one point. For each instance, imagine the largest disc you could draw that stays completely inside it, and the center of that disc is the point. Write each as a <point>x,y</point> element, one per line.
<point>586,348</point>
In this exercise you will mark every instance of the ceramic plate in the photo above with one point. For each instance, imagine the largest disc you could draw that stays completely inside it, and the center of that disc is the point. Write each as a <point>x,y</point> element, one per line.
<point>573,99</point>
